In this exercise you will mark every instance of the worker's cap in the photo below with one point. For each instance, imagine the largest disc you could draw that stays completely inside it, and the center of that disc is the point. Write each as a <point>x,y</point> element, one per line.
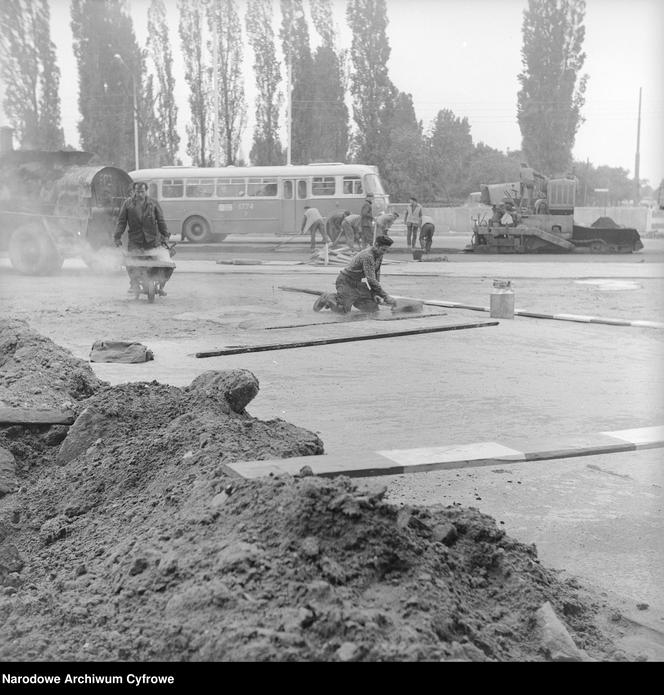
<point>347,212</point>
<point>383,240</point>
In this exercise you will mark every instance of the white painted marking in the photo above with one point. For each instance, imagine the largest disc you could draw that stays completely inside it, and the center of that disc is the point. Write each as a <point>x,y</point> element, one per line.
<point>611,285</point>
<point>647,324</point>
<point>444,454</point>
<point>641,436</point>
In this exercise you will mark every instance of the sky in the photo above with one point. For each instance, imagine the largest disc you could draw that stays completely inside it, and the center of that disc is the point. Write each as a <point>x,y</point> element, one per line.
<point>465,55</point>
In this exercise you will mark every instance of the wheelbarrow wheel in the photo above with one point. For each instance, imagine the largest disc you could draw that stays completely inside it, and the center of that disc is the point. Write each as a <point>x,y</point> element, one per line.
<point>152,290</point>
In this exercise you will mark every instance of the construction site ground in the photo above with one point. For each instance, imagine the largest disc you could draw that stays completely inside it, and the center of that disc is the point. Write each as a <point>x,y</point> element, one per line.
<point>598,518</point>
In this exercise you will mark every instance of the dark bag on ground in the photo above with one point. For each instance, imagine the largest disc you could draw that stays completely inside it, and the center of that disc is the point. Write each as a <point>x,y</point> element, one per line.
<point>119,351</point>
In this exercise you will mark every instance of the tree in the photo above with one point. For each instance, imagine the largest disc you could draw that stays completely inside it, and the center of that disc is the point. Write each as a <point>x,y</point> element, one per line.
<point>552,92</point>
<point>330,113</point>
<point>30,74</point>
<point>449,150</point>
<point>197,76</point>
<point>372,90</point>
<point>102,30</point>
<point>488,165</point>
<point>159,48</point>
<point>297,51</point>
<point>266,148</point>
<point>224,25</point>
<point>403,166</point>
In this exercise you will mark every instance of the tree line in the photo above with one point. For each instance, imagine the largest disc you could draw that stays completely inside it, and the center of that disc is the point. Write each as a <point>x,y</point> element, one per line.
<point>120,82</point>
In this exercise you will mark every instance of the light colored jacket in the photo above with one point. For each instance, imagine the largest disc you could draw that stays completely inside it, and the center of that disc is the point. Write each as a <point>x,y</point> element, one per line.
<point>310,216</point>
<point>414,214</point>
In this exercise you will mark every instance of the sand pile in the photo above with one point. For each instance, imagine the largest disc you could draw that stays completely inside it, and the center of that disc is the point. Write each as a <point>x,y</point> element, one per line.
<point>133,543</point>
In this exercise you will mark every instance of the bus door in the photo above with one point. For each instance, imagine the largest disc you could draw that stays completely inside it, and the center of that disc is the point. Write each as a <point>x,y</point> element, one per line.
<point>292,207</point>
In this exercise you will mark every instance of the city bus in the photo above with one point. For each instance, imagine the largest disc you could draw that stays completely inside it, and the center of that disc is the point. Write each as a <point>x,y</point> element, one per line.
<point>207,204</point>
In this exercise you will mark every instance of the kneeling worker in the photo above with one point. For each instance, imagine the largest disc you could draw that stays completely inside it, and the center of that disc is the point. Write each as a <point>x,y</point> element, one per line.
<point>351,290</point>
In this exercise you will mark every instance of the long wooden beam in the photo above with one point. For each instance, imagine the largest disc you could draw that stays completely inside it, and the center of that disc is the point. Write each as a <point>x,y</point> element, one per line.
<point>329,341</point>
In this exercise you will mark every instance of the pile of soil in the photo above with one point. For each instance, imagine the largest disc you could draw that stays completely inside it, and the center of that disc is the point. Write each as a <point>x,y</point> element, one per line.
<point>134,543</point>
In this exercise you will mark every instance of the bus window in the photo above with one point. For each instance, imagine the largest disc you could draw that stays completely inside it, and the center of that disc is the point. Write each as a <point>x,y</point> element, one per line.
<point>230,188</point>
<point>352,185</point>
<point>373,184</point>
<point>323,185</point>
<point>288,190</point>
<point>199,188</point>
<point>152,190</point>
<point>265,188</point>
<point>172,188</point>
<point>301,189</point>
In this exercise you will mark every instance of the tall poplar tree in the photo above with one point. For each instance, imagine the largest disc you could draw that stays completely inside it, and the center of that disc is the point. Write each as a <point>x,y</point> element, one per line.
<point>159,49</point>
<point>102,30</point>
<point>449,150</point>
<point>404,160</point>
<point>373,92</point>
<point>197,75</point>
<point>330,113</point>
<point>225,30</point>
<point>297,50</point>
<point>30,74</point>
<point>266,148</point>
<point>552,89</point>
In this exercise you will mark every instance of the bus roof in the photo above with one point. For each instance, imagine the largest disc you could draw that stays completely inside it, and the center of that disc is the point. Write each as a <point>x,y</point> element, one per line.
<point>292,170</point>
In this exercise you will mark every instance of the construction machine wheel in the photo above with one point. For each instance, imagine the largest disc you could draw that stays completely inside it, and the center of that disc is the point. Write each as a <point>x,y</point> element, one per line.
<point>32,251</point>
<point>196,229</point>
<point>599,246</point>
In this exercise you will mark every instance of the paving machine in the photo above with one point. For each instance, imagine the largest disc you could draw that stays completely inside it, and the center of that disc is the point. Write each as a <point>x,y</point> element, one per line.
<point>544,223</point>
<point>55,205</point>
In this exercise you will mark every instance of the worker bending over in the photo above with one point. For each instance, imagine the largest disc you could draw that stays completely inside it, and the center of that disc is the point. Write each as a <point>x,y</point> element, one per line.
<point>358,284</point>
<point>312,222</point>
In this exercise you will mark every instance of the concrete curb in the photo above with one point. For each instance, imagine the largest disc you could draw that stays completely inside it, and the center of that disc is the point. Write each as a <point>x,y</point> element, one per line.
<point>401,461</point>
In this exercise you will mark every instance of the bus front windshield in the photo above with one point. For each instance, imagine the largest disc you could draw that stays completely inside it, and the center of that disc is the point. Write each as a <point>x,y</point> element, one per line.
<point>373,185</point>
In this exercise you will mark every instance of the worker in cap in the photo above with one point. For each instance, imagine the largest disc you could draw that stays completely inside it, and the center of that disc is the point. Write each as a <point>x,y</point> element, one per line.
<point>358,284</point>
<point>334,225</point>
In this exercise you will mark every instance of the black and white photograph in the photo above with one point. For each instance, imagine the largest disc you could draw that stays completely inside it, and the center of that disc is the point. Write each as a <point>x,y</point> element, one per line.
<point>210,450</point>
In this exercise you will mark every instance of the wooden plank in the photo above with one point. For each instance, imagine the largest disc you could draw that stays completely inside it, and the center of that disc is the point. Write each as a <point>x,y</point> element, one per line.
<point>329,341</point>
<point>34,416</point>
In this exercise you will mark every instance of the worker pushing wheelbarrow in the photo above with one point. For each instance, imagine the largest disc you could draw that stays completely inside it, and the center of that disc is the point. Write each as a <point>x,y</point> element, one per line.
<point>149,271</point>
<point>148,256</point>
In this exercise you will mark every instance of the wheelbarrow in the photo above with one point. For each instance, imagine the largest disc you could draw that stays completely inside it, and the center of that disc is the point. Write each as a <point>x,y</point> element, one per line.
<point>150,271</point>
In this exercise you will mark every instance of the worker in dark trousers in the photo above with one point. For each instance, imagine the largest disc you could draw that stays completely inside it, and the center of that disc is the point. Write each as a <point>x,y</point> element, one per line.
<point>312,222</point>
<point>413,221</point>
<point>367,221</point>
<point>426,233</point>
<point>358,284</point>
<point>334,225</point>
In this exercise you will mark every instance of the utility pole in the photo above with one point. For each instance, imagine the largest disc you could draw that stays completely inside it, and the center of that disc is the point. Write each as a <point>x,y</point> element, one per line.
<point>215,89</point>
<point>289,109</point>
<point>637,190</point>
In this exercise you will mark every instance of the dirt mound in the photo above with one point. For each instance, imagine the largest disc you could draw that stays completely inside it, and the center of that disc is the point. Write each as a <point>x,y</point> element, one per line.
<point>134,543</point>
<point>37,373</point>
<point>605,223</point>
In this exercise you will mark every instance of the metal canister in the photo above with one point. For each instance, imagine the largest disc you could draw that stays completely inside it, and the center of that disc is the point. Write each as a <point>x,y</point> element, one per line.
<point>502,300</point>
